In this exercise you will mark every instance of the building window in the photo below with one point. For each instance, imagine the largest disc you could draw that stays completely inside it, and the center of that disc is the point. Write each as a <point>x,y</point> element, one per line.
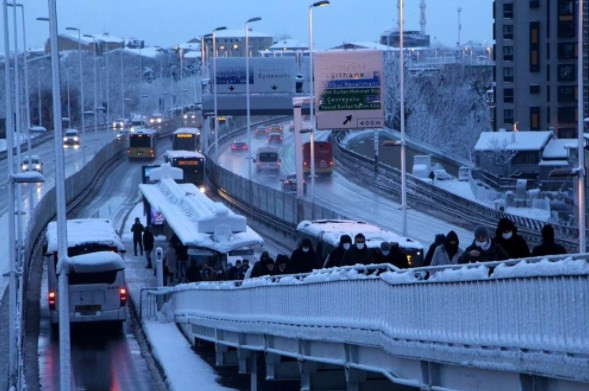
<point>535,118</point>
<point>508,74</point>
<point>508,11</point>
<point>526,157</point>
<point>534,89</point>
<point>534,3</point>
<point>508,53</point>
<point>567,115</point>
<point>508,95</point>
<point>508,116</point>
<point>567,51</point>
<point>507,31</point>
<point>566,72</point>
<point>567,94</point>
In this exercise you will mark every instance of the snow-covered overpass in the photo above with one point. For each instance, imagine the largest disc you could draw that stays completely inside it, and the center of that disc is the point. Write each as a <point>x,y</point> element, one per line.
<point>516,325</point>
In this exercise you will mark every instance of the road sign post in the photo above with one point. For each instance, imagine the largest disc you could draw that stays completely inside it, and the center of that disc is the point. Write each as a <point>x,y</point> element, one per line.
<point>349,90</point>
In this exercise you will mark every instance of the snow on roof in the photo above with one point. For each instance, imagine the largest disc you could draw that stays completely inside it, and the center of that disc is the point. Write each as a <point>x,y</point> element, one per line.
<point>187,130</point>
<point>239,34</point>
<point>363,45</point>
<point>197,220</point>
<point>166,171</point>
<point>332,230</point>
<point>553,163</point>
<point>513,141</point>
<point>288,44</point>
<point>85,231</point>
<point>183,153</point>
<point>144,131</point>
<point>148,51</point>
<point>189,46</point>
<point>87,40</point>
<point>558,148</point>
<point>193,54</point>
<point>268,149</point>
<point>100,261</point>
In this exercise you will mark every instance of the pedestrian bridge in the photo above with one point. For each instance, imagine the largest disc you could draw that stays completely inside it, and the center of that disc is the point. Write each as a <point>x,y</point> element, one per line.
<point>515,325</point>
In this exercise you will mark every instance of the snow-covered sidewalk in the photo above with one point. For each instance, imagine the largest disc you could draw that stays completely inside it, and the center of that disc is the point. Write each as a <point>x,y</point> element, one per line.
<point>183,368</point>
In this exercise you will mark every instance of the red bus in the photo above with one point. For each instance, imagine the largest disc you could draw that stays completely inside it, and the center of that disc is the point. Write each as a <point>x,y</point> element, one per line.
<point>323,157</point>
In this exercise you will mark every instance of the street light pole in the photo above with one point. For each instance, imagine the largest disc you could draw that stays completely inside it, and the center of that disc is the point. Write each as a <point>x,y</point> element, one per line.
<point>62,265</point>
<point>247,96</point>
<point>39,108</point>
<point>95,86</point>
<point>67,87</point>
<point>123,83</point>
<point>215,86</point>
<point>107,81</point>
<point>12,357</point>
<point>312,102</point>
<point>580,136</point>
<point>402,120</point>
<point>82,117</point>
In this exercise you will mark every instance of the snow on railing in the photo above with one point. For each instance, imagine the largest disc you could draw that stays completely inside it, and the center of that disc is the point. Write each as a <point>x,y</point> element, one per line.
<point>538,303</point>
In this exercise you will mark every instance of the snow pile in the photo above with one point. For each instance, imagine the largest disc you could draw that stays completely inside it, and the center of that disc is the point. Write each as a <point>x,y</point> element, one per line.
<point>545,267</point>
<point>465,273</point>
<point>101,261</point>
<point>401,277</point>
<point>85,231</point>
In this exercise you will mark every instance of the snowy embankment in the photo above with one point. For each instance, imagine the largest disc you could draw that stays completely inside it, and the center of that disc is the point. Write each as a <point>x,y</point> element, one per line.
<point>183,368</point>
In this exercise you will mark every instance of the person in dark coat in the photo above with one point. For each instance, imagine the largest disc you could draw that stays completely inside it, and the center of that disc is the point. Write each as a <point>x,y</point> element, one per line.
<point>235,271</point>
<point>449,252</point>
<point>264,267</point>
<point>304,259</point>
<point>137,230</point>
<point>359,253</point>
<point>482,249</point>
<point>507,237</point>
<point>438,240</point>
<point>390,253</point>
<point>548,246</point>
<point>148,246</point>
<point>281,265</point>
<point>336,256</point>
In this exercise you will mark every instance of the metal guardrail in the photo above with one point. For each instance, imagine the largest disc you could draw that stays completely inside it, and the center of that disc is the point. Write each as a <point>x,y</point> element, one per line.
<point>508,316</point>
<point>434,200</point>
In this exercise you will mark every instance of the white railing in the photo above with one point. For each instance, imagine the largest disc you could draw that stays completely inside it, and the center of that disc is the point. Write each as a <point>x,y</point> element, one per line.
<point>540,305</point>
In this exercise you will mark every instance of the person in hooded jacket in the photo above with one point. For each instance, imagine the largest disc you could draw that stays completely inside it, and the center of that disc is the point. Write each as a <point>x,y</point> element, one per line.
<point>439,240</point>
<point>390,253</point>
<point>281,265</point>
<point>507,237</point>
<point>359,253</point>
<point>449,252</point>
<point>482,249</point>
<point>304,259</point>
<point>336,256</point>
<point>264,267</point>
<point>548,246</point>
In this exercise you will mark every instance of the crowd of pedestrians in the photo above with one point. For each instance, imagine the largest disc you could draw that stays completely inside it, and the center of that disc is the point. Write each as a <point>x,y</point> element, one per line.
<point>445,250</point>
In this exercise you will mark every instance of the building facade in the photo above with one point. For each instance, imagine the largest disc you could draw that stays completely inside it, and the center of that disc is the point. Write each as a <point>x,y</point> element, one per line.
<point>231,43</point>
<point>536,65</point>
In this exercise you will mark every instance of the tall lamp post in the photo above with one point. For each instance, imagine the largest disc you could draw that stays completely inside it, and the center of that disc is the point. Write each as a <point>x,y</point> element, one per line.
<point>95,85</point>
<point>215,86</point>
<point>27,122</point>
<point>402,120</point>
<point>39,108</point>
<point>247,95</point>
<point>580,136</point>
<point>312,103</point>
<point>123,83</point>
<point>81,79</point>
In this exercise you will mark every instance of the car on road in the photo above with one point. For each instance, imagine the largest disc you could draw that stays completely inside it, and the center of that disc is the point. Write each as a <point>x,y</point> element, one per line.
<point>276,129</point>
<point>261,131</point>
<point>119,123</point>
<point>32,163</point>
<point>289,184</point>
<point>38,129</point>
<point>268,158</point>
<point>71,138</point>
<point>238,146</point>
<point>137,123</point>
<point>275,139</point>
<point>156,119</point>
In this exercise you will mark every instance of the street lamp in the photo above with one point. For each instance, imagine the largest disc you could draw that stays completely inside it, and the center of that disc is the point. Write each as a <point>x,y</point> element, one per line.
<point>26,73</point>
<point>215,86</point>
<point>95,86</point>
<point>312,103</point>
<point>402,120</point>
<point>39,108</point>
<point>580,136</point>
<point>67,87</point>
<point>123,82</point>
<point>247,95</point>
<point>81,81</point>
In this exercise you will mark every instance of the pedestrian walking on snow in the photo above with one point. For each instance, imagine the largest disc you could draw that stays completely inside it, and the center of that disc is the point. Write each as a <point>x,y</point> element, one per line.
<point>137,230</point>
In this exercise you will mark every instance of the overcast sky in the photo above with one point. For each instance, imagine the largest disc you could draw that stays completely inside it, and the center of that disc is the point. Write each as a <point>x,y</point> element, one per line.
<point>168,22</point>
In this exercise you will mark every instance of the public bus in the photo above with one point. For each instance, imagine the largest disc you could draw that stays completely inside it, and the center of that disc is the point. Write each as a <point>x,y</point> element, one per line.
<point>325,236</point>
<point>323,157</point>
<point>142,144</point>
<point>97,290</point>
<point>186,139</point>
<point>192,164</point>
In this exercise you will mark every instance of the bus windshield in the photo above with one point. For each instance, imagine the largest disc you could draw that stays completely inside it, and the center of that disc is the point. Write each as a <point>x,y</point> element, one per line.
<point>140,141</point>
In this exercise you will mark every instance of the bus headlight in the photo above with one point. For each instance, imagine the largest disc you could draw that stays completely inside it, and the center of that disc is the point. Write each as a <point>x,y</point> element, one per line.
<point>65,139</point>
<point>159,120</point>
<point>202,189</point>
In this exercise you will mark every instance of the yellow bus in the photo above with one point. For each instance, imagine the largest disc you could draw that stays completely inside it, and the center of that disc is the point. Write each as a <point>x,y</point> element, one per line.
<point>142,144</point>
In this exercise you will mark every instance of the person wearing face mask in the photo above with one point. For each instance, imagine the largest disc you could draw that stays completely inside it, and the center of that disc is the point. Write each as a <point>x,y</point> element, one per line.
<point>359,253</point>
<point>335,257</point>
<point>390,253</point>
<point>449,252</point>
<point>281,265</point>
<point>303,259</point>
<point>264,267</point>
<point>507,237</point>
<point>482,249</point>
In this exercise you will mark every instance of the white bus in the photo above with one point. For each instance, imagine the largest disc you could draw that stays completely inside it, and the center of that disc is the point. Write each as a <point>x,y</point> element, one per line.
<point>325,236</point>
<point>97,288</point>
